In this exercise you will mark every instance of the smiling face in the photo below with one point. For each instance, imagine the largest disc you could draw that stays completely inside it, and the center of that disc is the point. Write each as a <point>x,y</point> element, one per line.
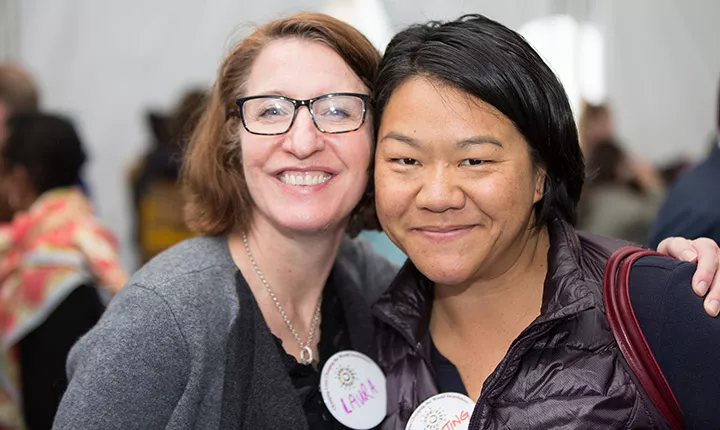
<point>304,181</point>
<point>454,183</point>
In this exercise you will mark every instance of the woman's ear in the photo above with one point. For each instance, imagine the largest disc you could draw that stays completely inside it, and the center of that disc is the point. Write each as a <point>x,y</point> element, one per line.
<point>540,177</point>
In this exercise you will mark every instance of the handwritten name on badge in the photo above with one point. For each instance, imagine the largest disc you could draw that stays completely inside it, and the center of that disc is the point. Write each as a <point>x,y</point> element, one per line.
<point>353,388</point>
<point>367,391</point>
<point>447,411</point>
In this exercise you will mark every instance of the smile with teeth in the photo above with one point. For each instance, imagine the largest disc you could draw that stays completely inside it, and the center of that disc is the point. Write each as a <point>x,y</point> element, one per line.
<point>304,178</point>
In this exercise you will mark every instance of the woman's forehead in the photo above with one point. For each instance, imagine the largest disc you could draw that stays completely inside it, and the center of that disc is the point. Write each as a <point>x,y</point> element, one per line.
<point>420,103</point>
<point>301,69</point>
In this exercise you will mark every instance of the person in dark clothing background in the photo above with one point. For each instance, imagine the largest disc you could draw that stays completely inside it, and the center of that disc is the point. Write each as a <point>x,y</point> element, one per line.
<point>54,256</point>
<point>692,206</point>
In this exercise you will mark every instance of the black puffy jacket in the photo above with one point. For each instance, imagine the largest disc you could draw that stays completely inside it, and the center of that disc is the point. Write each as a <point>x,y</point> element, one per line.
<point>564,371</point>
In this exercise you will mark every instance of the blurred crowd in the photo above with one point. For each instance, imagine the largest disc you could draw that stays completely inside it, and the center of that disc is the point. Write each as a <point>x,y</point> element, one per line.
<point>624,193</point>
<point>59,264</point>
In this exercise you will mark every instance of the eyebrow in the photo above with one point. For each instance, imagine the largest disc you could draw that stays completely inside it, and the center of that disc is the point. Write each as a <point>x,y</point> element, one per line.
<point>479,140</point>
<point>401,138</point>
<point>267,93</point>
<point>465,143</point>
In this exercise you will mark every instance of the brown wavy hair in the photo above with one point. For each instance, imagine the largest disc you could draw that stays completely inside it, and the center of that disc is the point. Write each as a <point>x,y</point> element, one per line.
<point>217,197</point>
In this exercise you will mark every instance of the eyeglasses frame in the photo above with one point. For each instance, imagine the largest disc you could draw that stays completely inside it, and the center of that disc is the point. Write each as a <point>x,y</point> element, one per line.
<point>307,103</point>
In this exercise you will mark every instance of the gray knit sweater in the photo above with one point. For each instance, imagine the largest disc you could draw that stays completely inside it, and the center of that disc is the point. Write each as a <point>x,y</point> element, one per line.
<point>184,346</point>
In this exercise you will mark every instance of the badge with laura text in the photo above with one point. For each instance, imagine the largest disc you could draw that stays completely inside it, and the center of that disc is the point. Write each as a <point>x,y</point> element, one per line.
<point>446,411</point>
<point>353,388</point>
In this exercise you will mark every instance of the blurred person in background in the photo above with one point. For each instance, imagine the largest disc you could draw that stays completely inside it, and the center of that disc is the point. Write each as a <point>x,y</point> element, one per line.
<point>692,206</point>
<point>595,125</point>
<point>18,94</point>
<point>156,191</point>
<point>54,258</point>
<point>621,199</point>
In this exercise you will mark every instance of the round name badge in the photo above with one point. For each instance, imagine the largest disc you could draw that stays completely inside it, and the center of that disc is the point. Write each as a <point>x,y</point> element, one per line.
<point>353,388</point>
<point>446,411</point>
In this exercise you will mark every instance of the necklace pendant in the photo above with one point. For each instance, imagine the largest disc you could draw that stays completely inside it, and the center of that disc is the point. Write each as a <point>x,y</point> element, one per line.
<point>306,355</point>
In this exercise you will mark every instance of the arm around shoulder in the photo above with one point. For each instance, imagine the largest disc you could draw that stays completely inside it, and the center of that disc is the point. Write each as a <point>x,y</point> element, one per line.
<point>130,370</point>
<point>680,334</point>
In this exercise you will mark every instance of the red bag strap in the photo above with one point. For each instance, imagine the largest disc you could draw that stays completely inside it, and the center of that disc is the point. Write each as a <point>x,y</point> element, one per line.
<point>629,336</point>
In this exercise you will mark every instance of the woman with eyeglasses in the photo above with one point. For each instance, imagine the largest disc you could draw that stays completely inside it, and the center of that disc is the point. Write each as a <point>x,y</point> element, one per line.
<point>230,330</point>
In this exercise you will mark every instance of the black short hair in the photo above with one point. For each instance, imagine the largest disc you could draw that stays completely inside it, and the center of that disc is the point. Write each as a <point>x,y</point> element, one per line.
<point>495,64</point>
<point>47,146</point>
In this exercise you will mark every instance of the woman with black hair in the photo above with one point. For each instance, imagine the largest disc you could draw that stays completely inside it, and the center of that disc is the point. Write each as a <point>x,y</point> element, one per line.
<point>54,256</point>
<point>478,173</point>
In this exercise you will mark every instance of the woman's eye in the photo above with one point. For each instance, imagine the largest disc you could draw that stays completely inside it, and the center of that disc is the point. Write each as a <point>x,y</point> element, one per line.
<point>336,112</point>
<point>405,161</point>
<point>472,162</point>
<point>272,111</point>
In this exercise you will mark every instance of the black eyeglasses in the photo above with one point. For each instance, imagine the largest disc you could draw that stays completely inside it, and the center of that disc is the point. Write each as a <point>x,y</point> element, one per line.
<point>331,113</point>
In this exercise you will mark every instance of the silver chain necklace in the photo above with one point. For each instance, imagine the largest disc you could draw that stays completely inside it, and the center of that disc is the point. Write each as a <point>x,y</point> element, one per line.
<point>306,352</point>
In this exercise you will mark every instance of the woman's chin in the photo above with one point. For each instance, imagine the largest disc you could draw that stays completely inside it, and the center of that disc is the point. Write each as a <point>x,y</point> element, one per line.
<point>451,275</point>
<point>313,226</point>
